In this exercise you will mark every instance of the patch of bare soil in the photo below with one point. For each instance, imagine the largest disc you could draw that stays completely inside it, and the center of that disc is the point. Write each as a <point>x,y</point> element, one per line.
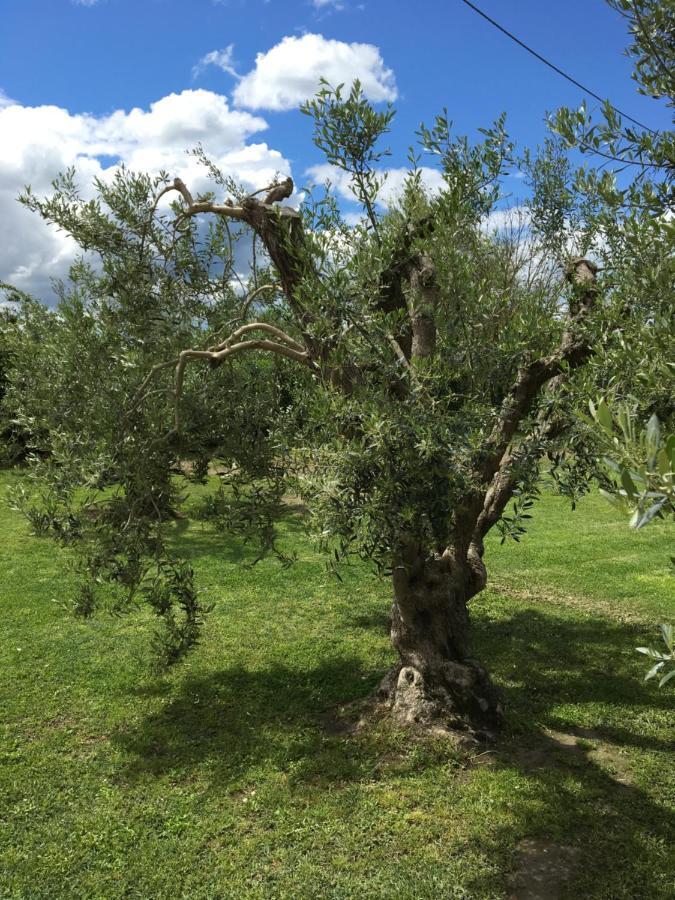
<point>349,718</point>
<point>295,504</point>
<point>335,725</point>
<point>597,750</point>
<point>542,870</point>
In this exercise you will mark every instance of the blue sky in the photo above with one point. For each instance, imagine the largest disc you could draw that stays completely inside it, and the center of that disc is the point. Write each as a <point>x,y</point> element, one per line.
<point>72,72</point>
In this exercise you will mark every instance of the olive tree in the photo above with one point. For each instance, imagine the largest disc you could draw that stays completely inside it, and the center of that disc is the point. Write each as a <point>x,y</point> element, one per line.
<point>435,356</point>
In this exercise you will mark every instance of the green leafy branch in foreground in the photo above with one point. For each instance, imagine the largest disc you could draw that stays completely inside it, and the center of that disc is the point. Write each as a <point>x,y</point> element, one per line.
<point>663,659</point>
<point>641,463</point>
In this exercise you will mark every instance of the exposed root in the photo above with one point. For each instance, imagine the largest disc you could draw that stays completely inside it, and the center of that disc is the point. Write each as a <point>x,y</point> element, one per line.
<point>459,697</point>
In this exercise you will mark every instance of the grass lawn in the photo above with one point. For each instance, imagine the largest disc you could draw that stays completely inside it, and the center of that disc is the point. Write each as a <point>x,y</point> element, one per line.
<point>235,775</point>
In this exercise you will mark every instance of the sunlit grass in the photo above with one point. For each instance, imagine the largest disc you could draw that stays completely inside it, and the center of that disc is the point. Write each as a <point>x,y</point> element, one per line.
<point>231,776</point>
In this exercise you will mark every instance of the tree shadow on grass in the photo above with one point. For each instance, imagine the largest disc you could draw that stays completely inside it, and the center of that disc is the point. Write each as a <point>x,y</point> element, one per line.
<point>237,718</point>
<point>203,540</point>
<point>546,662</point>
<point>224,726</point>
<point>613,833</point>
<point>576,700</point>
<point>245,713</point>
<point>377,619</point>
<point>197,536</point>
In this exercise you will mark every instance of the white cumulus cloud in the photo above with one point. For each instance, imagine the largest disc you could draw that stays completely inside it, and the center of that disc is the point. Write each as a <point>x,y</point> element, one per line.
<point>40,142</point>
<point>290,72</point>
<point>511,220</point>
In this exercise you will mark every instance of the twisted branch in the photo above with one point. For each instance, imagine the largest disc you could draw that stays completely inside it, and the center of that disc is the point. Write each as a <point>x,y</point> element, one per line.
<point>572,352</point>
<point>244,309</point>
<point>290,349</point>
<point>258,326</point>
<point>501,459</point>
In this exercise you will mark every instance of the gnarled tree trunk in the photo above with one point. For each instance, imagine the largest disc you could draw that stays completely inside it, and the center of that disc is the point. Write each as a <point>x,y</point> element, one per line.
<point>437,681</point>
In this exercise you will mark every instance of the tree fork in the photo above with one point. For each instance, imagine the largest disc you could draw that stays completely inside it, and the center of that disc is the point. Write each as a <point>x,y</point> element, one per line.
<point>437,681</point>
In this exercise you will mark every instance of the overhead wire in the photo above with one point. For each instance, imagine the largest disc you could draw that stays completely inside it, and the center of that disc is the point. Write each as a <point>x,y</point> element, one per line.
<point>555,68</point>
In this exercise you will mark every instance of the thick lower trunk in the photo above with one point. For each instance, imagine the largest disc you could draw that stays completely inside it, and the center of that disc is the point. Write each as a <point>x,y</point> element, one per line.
<point>437,680</point>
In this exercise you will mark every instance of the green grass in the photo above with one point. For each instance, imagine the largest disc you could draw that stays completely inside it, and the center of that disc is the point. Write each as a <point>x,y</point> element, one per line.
<point>230,778</point>
<point>590,553</point>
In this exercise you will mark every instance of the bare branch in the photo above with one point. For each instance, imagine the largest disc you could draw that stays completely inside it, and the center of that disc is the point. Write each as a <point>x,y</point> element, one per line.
<point>572,352</point>
<point>208,206</point>
<point>396,347</point>
<point>253,295</point>
<point>259,326</point>
<point>180,186</point>
<point>217,356</point>
<point>277,190</point>
<point>155,202</point>
<point>192,207</point>
<point>138,396</point>
<point>280,229</point>
<point>244,309</point>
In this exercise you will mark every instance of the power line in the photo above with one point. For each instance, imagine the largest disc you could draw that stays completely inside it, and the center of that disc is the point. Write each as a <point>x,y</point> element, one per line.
<point>552,66</point>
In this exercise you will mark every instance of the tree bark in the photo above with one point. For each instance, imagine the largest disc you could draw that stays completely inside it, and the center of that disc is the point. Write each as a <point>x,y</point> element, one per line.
<point>438,681</point>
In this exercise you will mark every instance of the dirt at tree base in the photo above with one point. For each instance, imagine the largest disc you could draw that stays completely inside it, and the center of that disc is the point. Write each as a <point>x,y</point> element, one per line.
<point>543,869</point>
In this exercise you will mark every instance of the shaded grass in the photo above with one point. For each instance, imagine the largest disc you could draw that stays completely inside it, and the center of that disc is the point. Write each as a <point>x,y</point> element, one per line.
<point>231,776</point>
